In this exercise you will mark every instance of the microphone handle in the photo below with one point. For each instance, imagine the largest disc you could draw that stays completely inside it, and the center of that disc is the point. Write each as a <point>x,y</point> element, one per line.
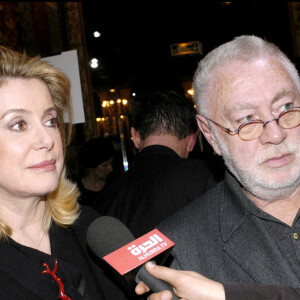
<point>156,285</point>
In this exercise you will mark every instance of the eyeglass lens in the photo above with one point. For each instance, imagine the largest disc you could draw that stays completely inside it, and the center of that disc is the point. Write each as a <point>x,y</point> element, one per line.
<point>254,129</point>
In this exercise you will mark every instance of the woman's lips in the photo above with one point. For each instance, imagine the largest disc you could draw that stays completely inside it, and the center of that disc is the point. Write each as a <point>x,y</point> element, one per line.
<point>46,166</point>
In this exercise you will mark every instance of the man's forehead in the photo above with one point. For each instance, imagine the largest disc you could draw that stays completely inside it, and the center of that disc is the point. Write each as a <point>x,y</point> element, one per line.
<point>235,83</point>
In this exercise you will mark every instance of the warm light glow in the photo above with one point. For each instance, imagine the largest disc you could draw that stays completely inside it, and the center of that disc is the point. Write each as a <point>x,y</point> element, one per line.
<point>104,103</point>
<point>195,106</point>
<point>119,100</point>
<point>100,119</point>
<point>124,101</point>
<point>190,92</point>
<point>122,117</point>
<point>111,102</point>
<point>112,90</point>
<point>133,94</point>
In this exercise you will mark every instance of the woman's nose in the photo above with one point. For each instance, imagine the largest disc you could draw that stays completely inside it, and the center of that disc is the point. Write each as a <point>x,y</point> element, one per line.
<point>43,138</point>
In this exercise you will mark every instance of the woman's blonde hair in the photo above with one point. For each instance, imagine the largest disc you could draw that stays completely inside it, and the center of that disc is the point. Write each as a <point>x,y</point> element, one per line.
<point>61,205</point>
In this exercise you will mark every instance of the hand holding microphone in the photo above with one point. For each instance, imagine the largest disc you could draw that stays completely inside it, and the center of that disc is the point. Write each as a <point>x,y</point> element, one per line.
<point>187,285</point>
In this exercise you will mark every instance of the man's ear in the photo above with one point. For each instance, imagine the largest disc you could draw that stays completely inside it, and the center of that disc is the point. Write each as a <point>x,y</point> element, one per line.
<point>192,139</point>
<point>205,129</point>
<point>136,137</point>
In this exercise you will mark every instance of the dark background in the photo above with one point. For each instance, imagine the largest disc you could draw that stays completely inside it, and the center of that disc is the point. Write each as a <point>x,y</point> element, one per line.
<point>134,48</point>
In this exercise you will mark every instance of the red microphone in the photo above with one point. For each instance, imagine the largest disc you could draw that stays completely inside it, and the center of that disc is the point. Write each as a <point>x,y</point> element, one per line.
<point>113,242</point>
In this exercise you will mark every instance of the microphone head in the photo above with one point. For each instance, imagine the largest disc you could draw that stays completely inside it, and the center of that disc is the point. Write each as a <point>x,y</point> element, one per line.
<point>107,234</point>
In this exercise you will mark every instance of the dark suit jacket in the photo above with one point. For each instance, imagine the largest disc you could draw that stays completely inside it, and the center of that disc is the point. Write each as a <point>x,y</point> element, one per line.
<point>217,236</point>
<point>235,291</point>
<point>157,184</point>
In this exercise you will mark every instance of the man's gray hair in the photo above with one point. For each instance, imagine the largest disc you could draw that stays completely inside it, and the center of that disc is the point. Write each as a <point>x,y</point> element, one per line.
<point>244,48</point>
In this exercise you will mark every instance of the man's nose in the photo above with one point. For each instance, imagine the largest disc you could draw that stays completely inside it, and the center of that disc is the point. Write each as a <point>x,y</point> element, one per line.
<point>273,133</point>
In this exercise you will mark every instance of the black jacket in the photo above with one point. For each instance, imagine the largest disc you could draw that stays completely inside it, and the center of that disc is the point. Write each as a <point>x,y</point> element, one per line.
<point>219,236</point>
<point>235,291</point>
<point>82,275</point>
<point>158,183</point>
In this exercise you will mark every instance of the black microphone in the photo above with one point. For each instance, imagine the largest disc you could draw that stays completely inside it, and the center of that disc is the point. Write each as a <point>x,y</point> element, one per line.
<point>107,234</point>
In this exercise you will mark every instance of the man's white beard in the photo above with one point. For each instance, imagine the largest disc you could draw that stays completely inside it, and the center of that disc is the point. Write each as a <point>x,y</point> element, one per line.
<point>255,180</point>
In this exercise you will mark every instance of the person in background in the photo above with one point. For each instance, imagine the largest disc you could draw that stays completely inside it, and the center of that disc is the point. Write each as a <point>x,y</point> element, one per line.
<point>161,179</point>
<point>96,164</point>
<point>43,247</point>
<point>245,229</point>
<point>193,286</point>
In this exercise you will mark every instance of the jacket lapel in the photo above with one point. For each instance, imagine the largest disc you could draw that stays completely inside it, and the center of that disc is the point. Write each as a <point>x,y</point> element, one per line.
<point>247,241</point>
<point>258,255</point>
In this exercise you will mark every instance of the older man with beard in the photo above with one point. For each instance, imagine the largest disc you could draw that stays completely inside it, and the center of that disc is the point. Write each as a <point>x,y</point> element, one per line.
<point>246,229</point>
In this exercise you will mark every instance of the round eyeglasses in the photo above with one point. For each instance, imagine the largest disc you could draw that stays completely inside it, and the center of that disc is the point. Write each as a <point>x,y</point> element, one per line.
<point>253,129</point>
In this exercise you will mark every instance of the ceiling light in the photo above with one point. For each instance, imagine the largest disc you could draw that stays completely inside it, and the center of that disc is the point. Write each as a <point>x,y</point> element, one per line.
<point>94,63</point>
<point>96,34</point>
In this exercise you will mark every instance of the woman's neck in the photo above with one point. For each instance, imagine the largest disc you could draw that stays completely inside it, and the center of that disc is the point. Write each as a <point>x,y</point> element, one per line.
<point>26,219</point>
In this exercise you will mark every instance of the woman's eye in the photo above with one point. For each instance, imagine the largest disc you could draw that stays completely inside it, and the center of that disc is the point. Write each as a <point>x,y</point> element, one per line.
<point>52,122</point>
<point>19,126</point>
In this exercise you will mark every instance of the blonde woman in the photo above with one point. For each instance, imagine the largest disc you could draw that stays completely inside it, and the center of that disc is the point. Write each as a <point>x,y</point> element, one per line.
<point>43,250</point>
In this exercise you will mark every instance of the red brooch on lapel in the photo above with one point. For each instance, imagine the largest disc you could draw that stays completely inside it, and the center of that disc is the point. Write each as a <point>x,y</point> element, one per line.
<point>62,294</point>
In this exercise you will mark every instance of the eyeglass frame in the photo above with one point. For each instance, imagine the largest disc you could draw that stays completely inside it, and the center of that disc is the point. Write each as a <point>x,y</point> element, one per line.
<point>233,132</point>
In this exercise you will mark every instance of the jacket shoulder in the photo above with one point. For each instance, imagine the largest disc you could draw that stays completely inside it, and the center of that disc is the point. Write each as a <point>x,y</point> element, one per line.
<point>204,209</point>
<point>86,217</point>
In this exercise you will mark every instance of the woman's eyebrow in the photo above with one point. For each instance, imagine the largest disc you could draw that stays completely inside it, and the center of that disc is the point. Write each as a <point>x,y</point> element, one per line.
<point>15,110</point>
<point>26,111</point>
<point>50,109</point>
